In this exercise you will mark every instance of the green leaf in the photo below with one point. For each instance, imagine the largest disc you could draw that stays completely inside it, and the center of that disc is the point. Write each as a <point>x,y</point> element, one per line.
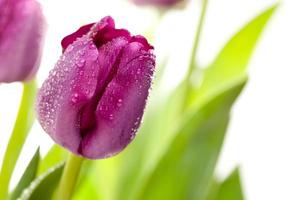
<point>186,170</point>
<point>27,177</point>
<point>44,186</point>
<point>213,190</point>
<point>231,63</point>
<point>56,155</point>
<point>230,188</point>
<point>228,69</point>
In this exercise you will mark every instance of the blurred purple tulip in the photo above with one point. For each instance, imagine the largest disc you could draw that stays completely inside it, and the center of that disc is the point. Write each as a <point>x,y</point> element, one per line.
<point>159,3</point>
<point>21,36</point>
<point>93,100</point>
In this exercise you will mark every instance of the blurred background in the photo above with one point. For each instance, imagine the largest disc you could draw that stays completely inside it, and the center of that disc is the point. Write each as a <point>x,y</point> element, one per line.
<point>259,137</point>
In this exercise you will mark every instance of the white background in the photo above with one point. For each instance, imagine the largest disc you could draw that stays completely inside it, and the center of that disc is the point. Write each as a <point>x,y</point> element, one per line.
<point>259,138</point>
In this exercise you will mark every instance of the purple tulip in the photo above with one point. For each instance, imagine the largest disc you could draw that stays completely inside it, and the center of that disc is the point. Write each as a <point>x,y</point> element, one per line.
<point>93,100</point>
<point>159,3</point>
<point>21,35</point>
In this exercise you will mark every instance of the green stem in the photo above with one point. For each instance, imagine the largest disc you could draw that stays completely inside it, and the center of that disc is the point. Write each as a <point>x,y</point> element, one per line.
<point>23,123</point>
<point>69,177</point>
<point>193,61</point>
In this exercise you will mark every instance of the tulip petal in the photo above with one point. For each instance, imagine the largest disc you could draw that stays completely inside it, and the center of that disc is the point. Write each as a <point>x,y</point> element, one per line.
<point>72,37</point>
<point>70,85</point>
<point>119,112</point>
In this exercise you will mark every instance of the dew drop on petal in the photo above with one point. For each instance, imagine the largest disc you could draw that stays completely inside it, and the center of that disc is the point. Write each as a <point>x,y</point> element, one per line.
<point>92,46</point>
<point>70,48</point>
<point>119,104</point>
<point>81,62</point>
<point>111,116</point>
<point>75,98</point>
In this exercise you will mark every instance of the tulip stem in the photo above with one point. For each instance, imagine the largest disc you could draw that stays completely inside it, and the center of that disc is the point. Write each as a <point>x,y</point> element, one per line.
<point>69,177</point>
<point>193,61</point>
<point>23,123</point>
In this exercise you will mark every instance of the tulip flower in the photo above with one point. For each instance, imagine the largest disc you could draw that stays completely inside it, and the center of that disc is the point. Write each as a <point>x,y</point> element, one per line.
<point>159,3</point>
<point>21,36</point>
<point>93,100</point>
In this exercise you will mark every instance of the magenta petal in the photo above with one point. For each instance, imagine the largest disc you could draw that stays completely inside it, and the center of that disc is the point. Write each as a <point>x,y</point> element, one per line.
<point>72,37</point>
<point>21,36</point>
<point>143,41</point>
<point>93,101</point>
<point>106,22</point>
<point>121,107</point>
<point>69,87</point>
<point>107,34</point>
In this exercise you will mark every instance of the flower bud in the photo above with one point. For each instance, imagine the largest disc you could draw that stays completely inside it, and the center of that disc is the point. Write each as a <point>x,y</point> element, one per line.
<point>93,100</point>
<point>158,3</point>
<point>21,36</point>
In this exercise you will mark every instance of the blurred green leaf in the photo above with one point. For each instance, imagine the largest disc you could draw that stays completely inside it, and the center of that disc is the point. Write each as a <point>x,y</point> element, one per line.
<point>229,189</point>
<point>44,186</point>
<point>186,170</point>
<point>55,155</point>
<point>231,63</point>
<point>160,123</point>
<point>27,177</point>
<point>213,190</point>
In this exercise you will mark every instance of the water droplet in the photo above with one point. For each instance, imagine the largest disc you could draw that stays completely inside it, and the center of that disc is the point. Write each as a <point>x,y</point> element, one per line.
<point>81,62</point>
<point>69,48</point>
<point>111,117</point>
<point>119,104</point>
<point>103,107</point>
<point>81,52</point>
<point>92,46</point>
<point>75,98</point>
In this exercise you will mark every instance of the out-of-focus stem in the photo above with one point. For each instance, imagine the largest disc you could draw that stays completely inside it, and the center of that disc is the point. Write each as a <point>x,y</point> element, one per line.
<point>19,134</point>
<point>193,61</point>
<point>69,177</point>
